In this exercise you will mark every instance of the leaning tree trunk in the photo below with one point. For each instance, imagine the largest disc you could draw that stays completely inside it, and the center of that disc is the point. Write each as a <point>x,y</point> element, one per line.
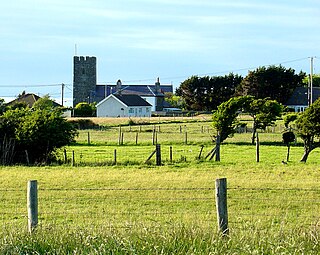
<point>305,155</point>
<point>308,147</point>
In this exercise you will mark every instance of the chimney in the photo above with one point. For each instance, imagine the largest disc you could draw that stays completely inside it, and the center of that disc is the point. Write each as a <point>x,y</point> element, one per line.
<point>118,87</point>
<point>157,87</point>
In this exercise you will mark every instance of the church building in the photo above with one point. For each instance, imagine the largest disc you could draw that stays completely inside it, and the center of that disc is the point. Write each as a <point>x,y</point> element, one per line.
<point>86,89</point>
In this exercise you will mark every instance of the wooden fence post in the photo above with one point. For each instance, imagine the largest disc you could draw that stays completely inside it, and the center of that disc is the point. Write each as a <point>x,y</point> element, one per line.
<point>186,138</point>
<point>27,157</point>
<point>153,136</point>
<point>221,204</point>
<point>88,138</point>
<point>32,205</point>
<point>158,155</point>
<point>65,156</point>
<point>119,135</point>
<point>170,154</point>
<point>257,148</point>
<point>218,148</point>
<point>72,159</point>
<point>137,138</point>
<point>115,157</point>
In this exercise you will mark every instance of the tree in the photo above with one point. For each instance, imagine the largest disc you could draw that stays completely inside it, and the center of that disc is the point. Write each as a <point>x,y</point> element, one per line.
<point>39,132</point>
<point>43,103</point>
<point>275,82</point>
<point>206,93</point>
<point>2,106</point>
<point>264,113</point>
<point>308,128</point>
<point>288,118</point>
<point>315,80</point>
<point>174,100</point>
<point>224,119</point>
<point>85,110</point>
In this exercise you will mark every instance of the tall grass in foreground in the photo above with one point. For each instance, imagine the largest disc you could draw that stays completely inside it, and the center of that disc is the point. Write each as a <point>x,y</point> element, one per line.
<point>179,240</point>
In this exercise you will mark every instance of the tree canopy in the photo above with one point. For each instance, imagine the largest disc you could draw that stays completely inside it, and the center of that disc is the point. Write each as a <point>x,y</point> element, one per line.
<point>263,111</point>
<point>308,126</point>
<point>206,93</point>
<point>274,82</point>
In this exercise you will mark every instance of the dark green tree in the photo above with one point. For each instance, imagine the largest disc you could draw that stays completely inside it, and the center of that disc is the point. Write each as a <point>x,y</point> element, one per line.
<point>308,128</point>
<point>2,106</point>
<point>206,93</point>
<point>274,82</point>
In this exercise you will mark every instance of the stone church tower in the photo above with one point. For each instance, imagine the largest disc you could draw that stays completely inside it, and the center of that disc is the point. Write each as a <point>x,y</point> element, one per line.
<point>84,79</point>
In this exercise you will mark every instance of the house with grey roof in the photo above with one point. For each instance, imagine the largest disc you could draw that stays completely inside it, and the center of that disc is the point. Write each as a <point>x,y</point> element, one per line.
<point>299,98</point>
<point>122,105</point>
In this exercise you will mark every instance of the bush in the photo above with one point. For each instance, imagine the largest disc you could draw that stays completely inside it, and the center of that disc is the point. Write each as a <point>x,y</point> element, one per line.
<point>37,133</point>
<point>85,110</point>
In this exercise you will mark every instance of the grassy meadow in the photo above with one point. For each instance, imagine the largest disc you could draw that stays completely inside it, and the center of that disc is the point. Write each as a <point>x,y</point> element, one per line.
<point>133,207</point>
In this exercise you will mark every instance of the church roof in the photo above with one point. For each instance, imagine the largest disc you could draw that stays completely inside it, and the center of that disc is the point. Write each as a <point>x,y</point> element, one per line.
<point>140,90</point>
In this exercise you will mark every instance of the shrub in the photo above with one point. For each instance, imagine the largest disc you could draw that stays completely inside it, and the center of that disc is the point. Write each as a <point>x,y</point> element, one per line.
<point>37,133</point>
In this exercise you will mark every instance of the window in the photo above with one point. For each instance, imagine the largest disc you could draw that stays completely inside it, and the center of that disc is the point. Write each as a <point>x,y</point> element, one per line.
<point>131,110</point>
<point>140,110</point>
<point>147,109</point>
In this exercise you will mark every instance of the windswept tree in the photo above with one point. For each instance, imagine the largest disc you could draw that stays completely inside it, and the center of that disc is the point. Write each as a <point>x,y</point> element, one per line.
<point>264,113</point>
<point>274,82</point>
<point>308,128</point>
<point>224,119</point>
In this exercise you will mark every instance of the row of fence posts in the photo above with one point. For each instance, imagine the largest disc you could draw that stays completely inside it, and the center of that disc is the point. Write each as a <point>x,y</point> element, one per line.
<point>220,197</point>
<point>214,152</point>
<point>154,134</point>
<point>154,137</point>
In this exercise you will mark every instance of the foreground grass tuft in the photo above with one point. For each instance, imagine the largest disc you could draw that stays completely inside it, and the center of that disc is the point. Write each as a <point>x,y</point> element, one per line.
<point>178,240</point>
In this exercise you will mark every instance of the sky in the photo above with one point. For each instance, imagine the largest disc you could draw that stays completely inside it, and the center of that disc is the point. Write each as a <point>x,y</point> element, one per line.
<point>139,40</point>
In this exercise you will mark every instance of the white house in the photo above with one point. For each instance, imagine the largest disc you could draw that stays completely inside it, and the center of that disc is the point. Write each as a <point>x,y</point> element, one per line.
<point>118,105</point>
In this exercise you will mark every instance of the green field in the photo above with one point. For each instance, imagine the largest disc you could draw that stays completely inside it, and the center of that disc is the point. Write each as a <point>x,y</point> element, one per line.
<point>98,207</point>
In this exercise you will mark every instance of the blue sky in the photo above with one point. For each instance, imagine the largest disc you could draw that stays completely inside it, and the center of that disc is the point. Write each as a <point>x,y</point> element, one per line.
<point>139,40</point>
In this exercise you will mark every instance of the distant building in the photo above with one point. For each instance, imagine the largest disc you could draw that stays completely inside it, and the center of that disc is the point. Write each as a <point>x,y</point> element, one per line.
<point>118,105</point>
<point>86,89</point>
<point>29,99</point>
<point>299,98</point>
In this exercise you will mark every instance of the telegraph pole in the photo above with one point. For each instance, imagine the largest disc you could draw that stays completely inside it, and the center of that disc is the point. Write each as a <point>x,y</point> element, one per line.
<point>62,93</point>
<point>311,78</point>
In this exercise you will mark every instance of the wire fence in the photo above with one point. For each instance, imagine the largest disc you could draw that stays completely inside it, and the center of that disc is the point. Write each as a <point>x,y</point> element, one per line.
<point>121,207</point>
